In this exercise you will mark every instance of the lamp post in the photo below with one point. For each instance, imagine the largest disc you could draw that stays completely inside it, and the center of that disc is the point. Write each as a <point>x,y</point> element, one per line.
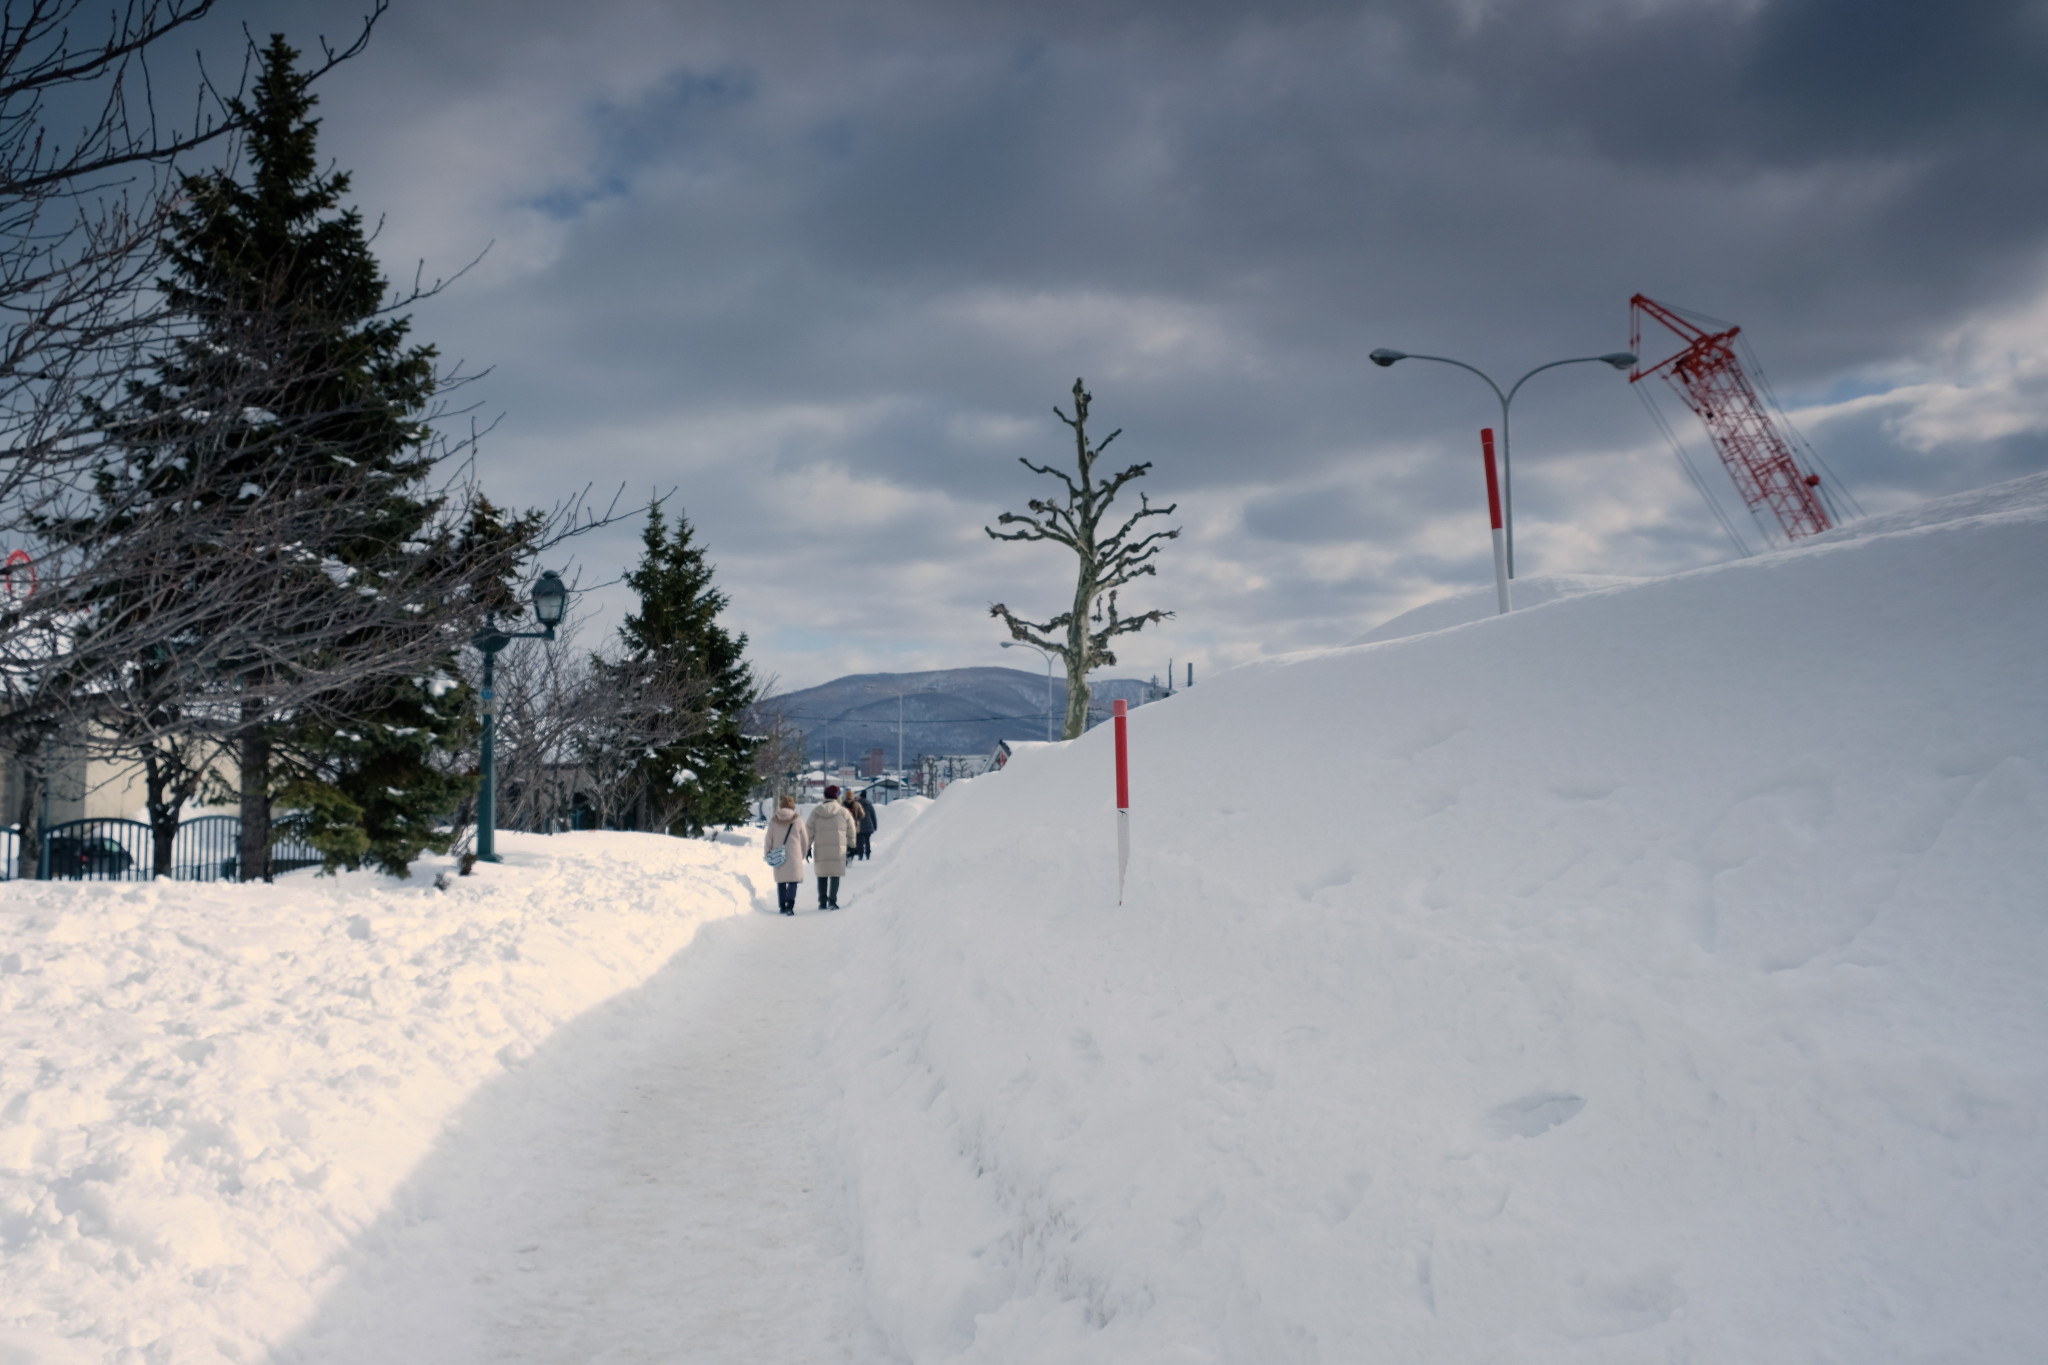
<point>1620,360</point>
<point>1009,644</point>
<point>550,600</point>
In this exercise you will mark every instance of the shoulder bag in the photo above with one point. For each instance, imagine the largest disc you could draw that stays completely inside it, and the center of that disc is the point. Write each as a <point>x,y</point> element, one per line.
<point>779,855</point>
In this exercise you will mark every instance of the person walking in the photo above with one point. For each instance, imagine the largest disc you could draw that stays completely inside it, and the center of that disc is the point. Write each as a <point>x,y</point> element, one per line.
<point>832,834</point>
<point>864,825</point>
<point>787,834</point>
<point>851,800</point>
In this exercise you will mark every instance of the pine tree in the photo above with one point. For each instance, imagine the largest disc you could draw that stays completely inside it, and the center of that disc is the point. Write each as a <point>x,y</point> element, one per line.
<point>292,385</point>
<point>696,767</point>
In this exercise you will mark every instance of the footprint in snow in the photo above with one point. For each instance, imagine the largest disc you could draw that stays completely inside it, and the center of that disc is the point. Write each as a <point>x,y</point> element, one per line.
<point>1533,1115</point>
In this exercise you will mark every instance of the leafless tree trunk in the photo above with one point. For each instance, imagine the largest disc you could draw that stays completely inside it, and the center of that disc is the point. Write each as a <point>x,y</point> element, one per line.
<point>1107,563</point>
<point>253,753</point>
<point>27,756</point>
<point>172,769</point>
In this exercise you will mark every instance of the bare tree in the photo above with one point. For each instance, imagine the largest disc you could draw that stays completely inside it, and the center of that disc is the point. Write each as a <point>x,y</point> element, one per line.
<point>637,707</point>
<point>544,689</point>
<point>177,616</point>
<point>1081,635</point>
<point>780,750</point>
<point>82,212</point>
<point>573,724</point>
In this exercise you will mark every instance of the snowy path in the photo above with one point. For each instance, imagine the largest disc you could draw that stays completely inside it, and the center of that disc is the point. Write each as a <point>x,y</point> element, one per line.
<point>653,1185</point>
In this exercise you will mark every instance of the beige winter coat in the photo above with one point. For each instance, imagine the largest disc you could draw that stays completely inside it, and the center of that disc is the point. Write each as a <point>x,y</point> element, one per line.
<point>799,844</point>
<point>832,834</point>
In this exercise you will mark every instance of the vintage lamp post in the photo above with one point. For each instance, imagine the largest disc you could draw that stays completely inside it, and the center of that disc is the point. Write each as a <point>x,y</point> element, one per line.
<point>550,600</point>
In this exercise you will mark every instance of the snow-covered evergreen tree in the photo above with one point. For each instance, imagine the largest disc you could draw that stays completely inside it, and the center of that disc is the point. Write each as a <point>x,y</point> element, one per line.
<point>691,684</point>
<point>292,382</point>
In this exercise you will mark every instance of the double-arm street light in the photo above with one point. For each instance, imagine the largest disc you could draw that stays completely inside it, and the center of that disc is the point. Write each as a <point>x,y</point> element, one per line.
<point>550,600</point>
<point>1009,644</point>
<point>1620,360</point>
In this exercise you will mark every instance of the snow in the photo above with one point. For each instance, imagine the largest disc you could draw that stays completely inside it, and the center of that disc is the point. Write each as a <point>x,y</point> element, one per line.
<point>1476,604</point>
<point>1652,974</point>
<point>655,1174</point>
<point>207,1090</point>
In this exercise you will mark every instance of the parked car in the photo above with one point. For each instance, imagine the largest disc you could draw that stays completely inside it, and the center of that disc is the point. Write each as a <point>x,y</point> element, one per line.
<point>74,855</point>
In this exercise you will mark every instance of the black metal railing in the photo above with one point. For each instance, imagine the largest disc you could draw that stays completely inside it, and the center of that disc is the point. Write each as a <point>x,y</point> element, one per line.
<point>103,849</point>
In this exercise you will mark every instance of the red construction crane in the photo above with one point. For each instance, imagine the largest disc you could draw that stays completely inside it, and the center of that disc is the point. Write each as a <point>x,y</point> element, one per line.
<point>1710,381</point>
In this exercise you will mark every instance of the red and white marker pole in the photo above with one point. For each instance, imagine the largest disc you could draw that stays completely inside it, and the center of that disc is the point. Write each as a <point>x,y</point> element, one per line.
<point>1123,798</point>
<point>1500,544</point>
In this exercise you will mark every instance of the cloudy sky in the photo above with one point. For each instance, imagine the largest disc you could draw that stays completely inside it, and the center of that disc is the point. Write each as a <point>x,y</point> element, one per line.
<point>824,269</point>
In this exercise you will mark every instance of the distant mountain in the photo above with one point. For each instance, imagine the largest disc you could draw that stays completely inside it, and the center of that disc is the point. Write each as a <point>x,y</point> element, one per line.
<point>951,711</point>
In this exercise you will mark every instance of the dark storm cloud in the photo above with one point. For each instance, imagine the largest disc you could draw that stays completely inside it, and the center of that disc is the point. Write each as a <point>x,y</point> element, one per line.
<point>1788,83</point>
<point>827,269</point>
<point>1952,99</point>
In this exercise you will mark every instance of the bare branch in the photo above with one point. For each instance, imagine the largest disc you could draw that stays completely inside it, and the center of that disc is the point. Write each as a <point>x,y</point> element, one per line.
<point>1104,564</point>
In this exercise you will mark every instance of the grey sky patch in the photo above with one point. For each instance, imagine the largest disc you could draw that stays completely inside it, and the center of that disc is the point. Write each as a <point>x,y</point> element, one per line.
<point>825,270</point>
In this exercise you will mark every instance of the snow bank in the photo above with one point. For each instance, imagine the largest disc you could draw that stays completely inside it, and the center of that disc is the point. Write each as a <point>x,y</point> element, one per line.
<point>205,1091</point>
<point>1476,604</point>
<point>897,816</point>
<point>1655,974</point>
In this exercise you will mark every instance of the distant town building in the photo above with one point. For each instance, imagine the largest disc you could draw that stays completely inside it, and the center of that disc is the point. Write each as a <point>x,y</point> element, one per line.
<point>874,763</point>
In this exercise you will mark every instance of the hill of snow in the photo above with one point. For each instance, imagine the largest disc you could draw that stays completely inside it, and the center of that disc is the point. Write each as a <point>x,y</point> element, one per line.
<point>1652,974</point>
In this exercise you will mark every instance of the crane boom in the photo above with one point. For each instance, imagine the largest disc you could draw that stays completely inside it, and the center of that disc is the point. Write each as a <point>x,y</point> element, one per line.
<point>1710,381</point>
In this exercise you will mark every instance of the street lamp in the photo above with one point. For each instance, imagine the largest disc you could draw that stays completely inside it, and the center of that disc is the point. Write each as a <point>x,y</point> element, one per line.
<point>550,601</point>
<point>1620,360</point>
<point>1011,644</point>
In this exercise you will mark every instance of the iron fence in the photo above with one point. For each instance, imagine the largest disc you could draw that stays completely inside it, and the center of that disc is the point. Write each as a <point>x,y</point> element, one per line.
<point>103,849</point>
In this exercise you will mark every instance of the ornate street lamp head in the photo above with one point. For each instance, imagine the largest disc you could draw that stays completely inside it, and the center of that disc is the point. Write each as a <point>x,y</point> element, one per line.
<point>550,599</point>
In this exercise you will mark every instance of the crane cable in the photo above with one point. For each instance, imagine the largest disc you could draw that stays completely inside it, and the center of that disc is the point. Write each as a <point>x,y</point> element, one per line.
<point>1685,463</point>
<point>1763,382</point>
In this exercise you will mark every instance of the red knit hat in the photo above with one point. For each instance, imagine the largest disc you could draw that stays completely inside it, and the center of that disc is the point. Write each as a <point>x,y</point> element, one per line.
<point>831,792</point>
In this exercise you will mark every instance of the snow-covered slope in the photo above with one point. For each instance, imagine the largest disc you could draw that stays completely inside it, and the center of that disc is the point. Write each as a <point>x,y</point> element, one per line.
<point>207,1091</point>
<point>1476,604</point>
<point>1655,974</point>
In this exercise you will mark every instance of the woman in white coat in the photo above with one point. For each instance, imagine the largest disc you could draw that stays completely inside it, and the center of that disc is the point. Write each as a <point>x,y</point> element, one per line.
<point>787,833</point>
<point>832,834</point>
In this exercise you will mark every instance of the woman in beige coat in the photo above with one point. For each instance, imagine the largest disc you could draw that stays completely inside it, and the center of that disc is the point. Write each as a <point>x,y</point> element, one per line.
<point>787,833</point>
<point>832,833</point>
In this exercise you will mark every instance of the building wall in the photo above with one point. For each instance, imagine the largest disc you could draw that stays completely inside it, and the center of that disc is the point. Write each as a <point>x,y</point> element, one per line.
<point>80,788</point>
